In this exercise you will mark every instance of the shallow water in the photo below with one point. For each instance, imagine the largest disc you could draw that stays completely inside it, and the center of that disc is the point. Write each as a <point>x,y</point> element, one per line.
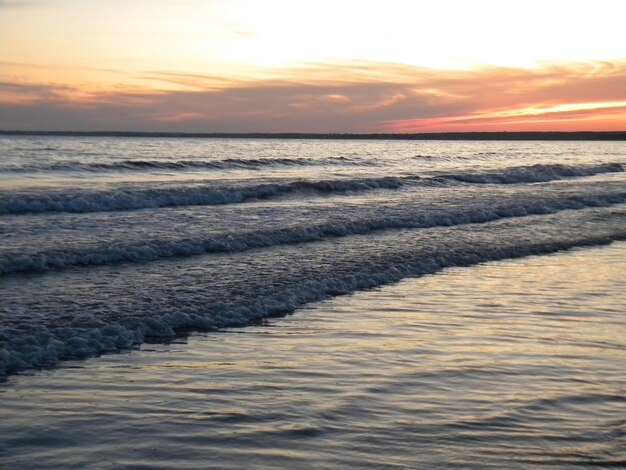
<point>109,242</point>
<point>518,364</point>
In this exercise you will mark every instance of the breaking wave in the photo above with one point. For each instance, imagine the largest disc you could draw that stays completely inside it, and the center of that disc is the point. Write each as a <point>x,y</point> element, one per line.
<point>536,173</point>
<point>182,165</point>
<point>45,261</point>
<point>132,199</point>
<point>79,334</point>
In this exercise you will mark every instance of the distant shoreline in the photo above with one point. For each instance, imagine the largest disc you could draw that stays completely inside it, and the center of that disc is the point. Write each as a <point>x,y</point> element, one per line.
<point>579,135</point>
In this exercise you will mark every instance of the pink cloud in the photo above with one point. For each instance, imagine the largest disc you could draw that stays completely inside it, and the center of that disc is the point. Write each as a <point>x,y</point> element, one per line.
<point>330,98</point>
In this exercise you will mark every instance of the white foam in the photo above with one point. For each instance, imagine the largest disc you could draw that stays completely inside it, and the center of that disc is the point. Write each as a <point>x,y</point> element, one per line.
<point>94,256</point>
<point>80,329</point>
<point>143,198</point>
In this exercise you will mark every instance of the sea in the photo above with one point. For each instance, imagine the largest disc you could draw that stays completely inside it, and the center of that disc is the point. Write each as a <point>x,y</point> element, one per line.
<point>301,303</point>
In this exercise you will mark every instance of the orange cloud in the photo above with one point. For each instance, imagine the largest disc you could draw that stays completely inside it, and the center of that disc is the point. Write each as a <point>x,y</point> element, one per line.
<point>602,116</point>
<point>358,97</point>
<point>180,117</point>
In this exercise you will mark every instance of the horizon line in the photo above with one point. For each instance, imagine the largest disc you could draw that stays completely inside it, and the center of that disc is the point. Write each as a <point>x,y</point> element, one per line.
<point>474,135</point>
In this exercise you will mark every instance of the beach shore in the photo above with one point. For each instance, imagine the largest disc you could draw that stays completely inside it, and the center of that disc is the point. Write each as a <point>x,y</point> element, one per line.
<point>517,363</point>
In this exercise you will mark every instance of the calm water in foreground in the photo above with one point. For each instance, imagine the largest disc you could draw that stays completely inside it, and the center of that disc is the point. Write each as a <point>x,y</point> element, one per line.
<point>453,304</point>
<point>512,364</point>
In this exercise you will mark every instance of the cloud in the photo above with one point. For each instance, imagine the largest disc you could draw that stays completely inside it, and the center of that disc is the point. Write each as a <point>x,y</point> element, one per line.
<point>359,97</point>
<point>22,3</point>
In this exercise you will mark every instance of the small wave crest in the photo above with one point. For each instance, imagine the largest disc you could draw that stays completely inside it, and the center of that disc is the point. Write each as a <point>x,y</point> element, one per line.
<point>132,199</point>
<point>45,261</point>
<point>147,198</point>
<point>181,165</point>
<point>535,173</point>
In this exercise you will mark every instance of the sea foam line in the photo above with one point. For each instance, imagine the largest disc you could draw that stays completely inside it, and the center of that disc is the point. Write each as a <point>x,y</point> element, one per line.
<point>81,201</point>
<point>181,165</point>
<point>133,199</point>
<point>53,260</point>
<point>19,349</point>
<point>536,173</point>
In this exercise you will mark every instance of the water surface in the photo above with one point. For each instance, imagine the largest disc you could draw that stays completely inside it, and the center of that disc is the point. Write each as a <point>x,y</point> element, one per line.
<point>518,364</point>
<point>439,319</point>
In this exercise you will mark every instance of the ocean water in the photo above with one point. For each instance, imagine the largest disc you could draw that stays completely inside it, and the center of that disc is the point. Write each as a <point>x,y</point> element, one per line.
<point>440,317</point>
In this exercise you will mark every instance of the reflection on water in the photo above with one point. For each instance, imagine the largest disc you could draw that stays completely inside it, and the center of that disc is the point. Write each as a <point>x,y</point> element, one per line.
<point>516,364</point>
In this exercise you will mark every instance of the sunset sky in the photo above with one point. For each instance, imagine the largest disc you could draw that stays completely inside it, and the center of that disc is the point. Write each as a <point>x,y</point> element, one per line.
<point>312,66</point>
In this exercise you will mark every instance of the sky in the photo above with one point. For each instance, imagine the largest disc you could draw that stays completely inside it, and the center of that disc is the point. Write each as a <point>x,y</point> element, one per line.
<point>312,66</point>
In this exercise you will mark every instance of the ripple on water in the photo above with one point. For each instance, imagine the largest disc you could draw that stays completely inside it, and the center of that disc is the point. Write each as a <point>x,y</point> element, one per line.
<point>517,364</point>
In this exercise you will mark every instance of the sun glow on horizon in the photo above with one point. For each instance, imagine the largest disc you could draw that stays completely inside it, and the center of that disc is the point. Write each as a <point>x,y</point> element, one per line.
<point>483,120</point>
